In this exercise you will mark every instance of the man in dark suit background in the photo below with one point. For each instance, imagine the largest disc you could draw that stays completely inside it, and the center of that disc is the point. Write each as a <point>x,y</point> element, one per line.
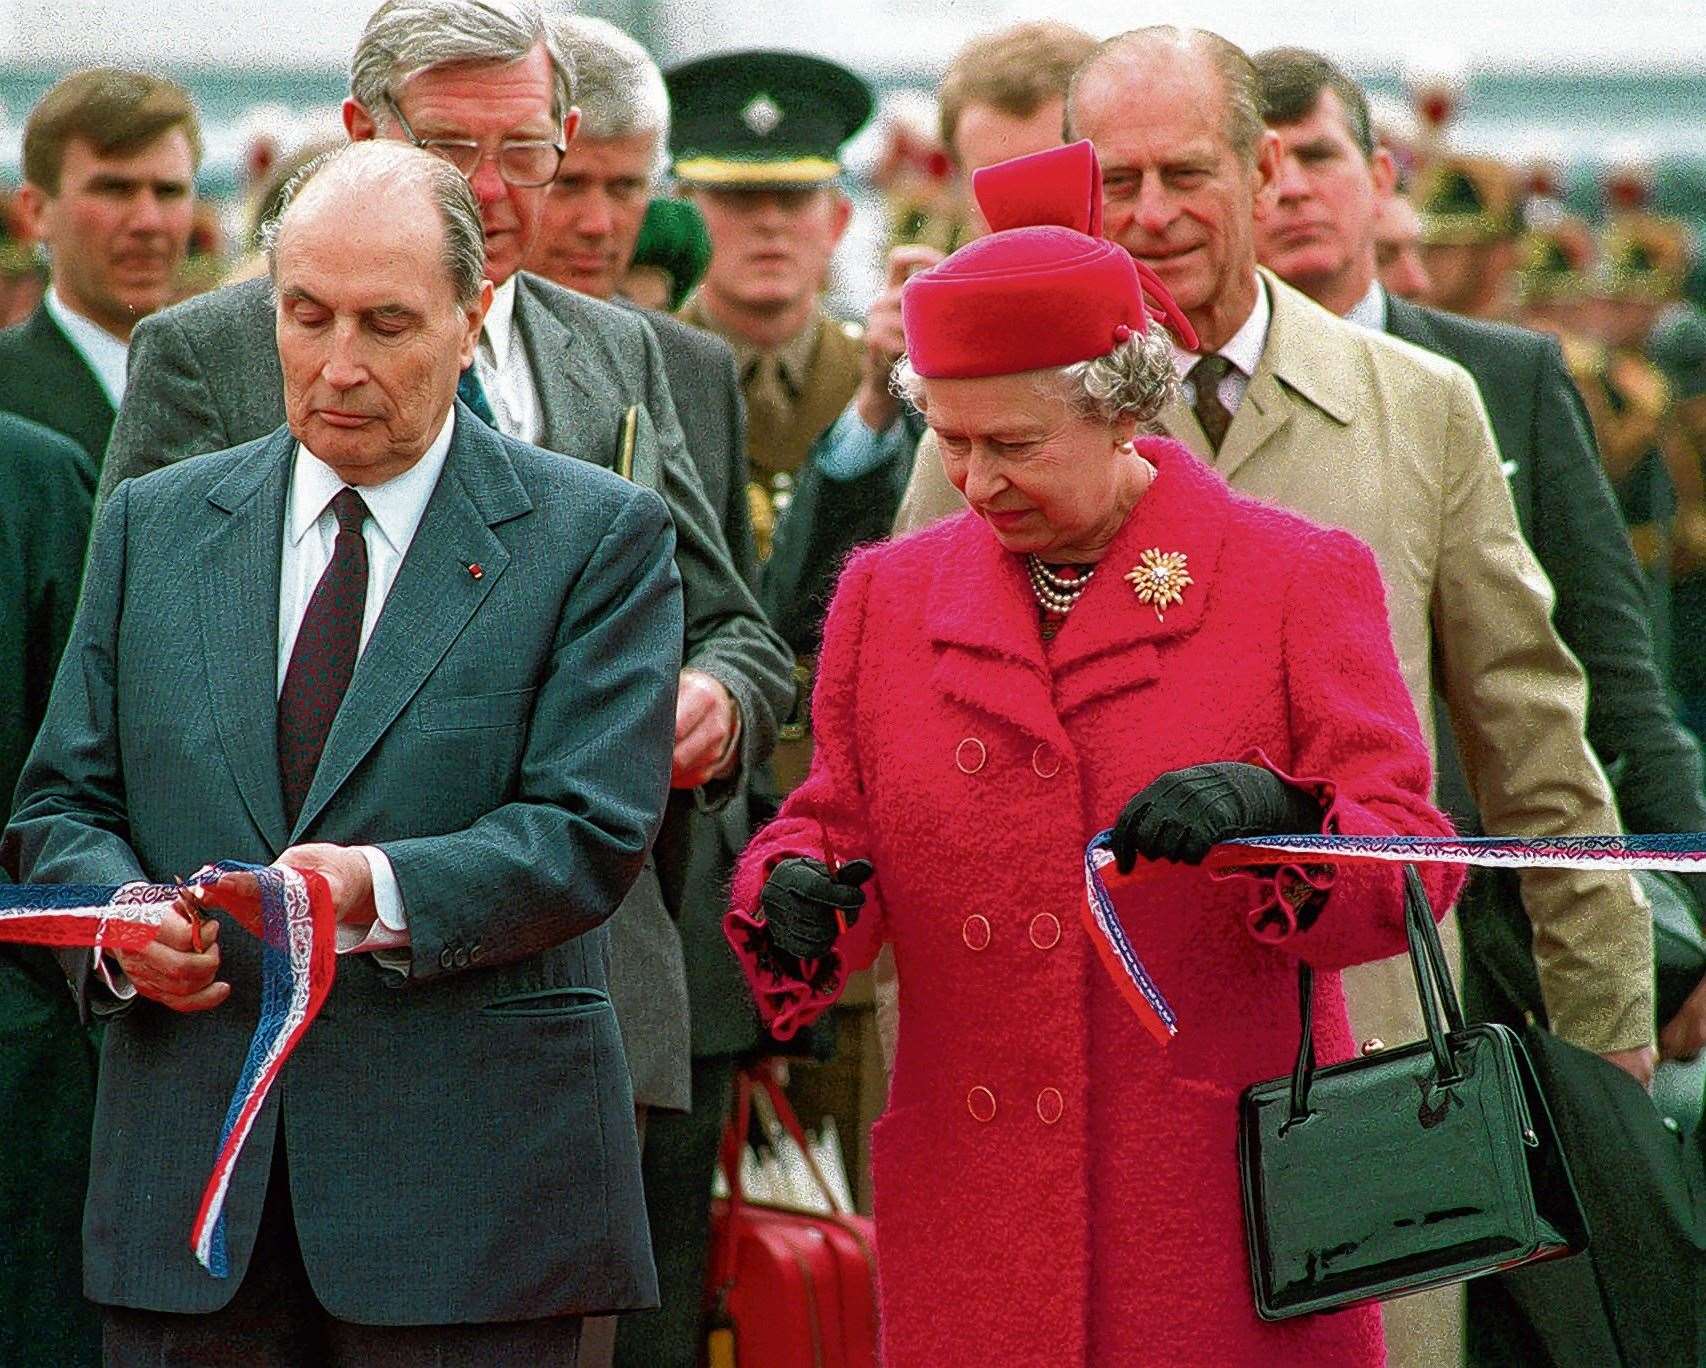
<point>109,161</point>
<point>1320,237</point>
<point>473,647</point>
<point>47,1057</point>
<point>590,224</point>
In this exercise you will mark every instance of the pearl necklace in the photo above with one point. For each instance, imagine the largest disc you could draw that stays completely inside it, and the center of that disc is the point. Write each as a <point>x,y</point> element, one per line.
<point>1055,592</point>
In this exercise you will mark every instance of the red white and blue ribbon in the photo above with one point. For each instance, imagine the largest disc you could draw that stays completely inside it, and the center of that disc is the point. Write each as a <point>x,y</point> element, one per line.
<point>1678,852</point>
<point>291,913</point>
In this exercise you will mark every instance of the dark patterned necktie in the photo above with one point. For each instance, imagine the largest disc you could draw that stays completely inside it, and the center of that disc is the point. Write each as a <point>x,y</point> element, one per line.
<point>323,658</point>
<point>1206,376</point>
<point>472,393</point>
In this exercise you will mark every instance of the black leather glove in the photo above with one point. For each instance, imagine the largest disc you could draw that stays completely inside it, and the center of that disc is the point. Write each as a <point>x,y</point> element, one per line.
<point>806,906</point>
<point>1181,814</point>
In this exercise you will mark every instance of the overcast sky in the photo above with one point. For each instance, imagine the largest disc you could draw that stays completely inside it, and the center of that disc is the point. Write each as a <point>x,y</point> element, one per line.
<point>902,35</point>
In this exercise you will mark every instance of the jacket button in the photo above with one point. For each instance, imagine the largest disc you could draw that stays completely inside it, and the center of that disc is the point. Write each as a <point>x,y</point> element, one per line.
<point>446,958</point>
<point>981,1103</point>
<point>1050,1104</point>
<point>1045,930</point>
<point>975,932</point>
<point>1045,761</point>
<point>970,755</point>
<point>460,958</point>
<point>475,951</point>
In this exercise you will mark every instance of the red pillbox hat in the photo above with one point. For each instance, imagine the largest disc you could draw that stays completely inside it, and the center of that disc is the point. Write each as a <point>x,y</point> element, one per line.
<point>1044,289</point>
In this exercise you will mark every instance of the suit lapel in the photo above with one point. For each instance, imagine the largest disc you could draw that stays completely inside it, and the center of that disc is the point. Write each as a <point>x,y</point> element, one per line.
<point>1264,413</point>
<point>574,419</point>
<point>430,602</point>
<point>239,626</point>
<point>82,408</point>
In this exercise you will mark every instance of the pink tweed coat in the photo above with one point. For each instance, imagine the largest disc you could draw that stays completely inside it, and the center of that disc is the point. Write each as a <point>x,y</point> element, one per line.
<point>1052,1187</point>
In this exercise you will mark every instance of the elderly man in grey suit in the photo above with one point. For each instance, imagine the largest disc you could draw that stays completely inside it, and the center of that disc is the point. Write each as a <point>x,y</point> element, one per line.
<point>478,83</point>
<point>438,666</point>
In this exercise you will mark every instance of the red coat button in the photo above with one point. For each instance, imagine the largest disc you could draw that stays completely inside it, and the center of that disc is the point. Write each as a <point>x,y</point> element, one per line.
<point>970,755</point>
<point>1045,761</point>
<point>1045,930</point>
<point>1050,1105</point>
<point>976,932</point>
<point>981,1103</point>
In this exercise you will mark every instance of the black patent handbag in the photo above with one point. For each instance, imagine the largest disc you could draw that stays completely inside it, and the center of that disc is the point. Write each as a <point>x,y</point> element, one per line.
<point>1403,1169</point>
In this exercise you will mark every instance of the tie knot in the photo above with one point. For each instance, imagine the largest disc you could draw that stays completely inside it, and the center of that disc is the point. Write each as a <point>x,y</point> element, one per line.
<point>349,510</point>
<point>1210,370</point>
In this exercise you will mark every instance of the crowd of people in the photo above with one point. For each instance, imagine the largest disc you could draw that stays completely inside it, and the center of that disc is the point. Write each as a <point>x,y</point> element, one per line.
<point>665,675</point>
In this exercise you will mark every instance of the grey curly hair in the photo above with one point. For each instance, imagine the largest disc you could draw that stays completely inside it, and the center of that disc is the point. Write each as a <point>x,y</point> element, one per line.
<point>1134,380</point>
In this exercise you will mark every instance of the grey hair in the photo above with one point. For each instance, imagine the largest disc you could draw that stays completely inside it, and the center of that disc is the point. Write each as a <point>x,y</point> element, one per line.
<point>384,167</point>
<point>1135,380</point>
<point>618,86</point>
<point>406,37</point>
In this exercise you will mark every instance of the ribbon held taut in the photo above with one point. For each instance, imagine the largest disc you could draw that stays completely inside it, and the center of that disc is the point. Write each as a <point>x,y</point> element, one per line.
<point>289,911</point>
<point>1676,852</point>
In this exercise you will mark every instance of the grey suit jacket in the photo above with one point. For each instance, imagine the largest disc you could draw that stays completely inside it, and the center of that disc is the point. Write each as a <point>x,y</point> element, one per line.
<point>696,871</point>
<point>461,1139</point>
<point>205,375</point>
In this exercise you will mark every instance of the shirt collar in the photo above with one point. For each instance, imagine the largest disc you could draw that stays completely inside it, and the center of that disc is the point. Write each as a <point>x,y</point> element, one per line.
<point>500,321</point>
<point>1244,348</point>
<point>793,358</point>
<point>104,354</point>
<point>396,506</point>
<point>1370,310</point>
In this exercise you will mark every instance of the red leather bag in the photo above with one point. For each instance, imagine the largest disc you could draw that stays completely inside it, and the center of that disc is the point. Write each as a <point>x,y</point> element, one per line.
<point>787,1288</point>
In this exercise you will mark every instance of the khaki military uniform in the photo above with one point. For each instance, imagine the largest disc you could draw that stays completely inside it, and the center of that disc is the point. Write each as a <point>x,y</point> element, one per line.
<point>793,394</point>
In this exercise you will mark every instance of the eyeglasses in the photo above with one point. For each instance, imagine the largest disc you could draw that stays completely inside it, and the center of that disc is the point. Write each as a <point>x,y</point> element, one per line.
<point>522,162</point>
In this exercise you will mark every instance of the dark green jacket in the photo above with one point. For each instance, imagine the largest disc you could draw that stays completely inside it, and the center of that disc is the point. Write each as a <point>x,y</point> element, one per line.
<point>44,378</point>
<point>47,1060</point>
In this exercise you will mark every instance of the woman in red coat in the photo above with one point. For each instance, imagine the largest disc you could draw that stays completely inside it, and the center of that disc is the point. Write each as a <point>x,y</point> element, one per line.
<point>1107,632</point>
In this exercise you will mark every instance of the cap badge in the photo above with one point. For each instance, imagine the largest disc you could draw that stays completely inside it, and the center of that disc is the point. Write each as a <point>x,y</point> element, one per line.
<point>1159,579</point>
<point>761,115</point>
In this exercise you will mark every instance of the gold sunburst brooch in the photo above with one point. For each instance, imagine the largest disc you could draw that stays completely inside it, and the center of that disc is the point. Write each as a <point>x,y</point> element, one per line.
<point>1160,579</point>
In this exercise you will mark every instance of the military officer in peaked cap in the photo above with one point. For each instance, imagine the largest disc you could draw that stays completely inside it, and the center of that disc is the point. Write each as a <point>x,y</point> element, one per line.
<point>756,141</point>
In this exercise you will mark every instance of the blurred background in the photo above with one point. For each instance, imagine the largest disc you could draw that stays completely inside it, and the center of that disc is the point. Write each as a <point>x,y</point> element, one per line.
<point>1585,87</point>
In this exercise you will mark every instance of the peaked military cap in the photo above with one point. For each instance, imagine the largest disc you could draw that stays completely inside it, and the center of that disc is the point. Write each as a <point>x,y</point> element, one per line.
<point>1466,200</point>
<point>763,118</point>
<point>1557,259</point>
<point>1644,256</point>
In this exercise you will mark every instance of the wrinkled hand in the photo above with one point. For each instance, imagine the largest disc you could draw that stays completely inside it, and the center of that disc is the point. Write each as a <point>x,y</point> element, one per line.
<point>347,876</point>
<point>1182,814</point>
<point>170,970</point>
<point>1638,1064</point>
<point>885,340</point>
<point>807,907</point>
<point>705,722</point>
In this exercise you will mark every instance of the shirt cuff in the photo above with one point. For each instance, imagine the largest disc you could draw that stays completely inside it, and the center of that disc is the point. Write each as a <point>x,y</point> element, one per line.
<point>390,928</point>
<point>850,450</point>
<point>117,981</point>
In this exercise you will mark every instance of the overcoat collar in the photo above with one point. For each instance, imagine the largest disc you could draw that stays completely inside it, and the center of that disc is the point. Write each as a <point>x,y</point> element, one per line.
<point>1304,362</point>
<point>982,616</point>
<point>430,601</point>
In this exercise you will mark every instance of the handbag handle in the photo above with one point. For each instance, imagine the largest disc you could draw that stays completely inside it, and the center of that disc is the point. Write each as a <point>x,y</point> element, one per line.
<point>1433,987</point>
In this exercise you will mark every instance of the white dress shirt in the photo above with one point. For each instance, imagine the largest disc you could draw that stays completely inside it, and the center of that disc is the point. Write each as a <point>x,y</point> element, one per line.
<point>103,353</point>
<point>1370,310</point>
<point>394,512</point>
<point>500,360</point>
<point>1243,349</point>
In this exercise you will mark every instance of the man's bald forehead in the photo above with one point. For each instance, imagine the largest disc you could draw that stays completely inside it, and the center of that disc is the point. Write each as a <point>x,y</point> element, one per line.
<point>1237,85</point>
